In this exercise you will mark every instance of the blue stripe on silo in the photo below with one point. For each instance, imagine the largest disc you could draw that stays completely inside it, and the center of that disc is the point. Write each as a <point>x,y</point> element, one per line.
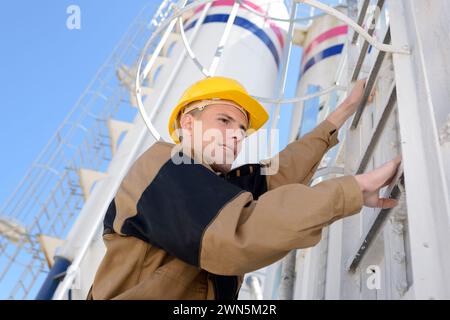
<point>243,23</point>
<point>329,52</point>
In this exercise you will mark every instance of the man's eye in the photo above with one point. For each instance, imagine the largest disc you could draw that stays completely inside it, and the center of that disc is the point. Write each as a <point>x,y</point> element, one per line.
<point>224,120</point>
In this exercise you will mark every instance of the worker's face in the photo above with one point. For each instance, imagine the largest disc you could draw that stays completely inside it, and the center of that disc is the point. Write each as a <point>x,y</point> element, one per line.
<point>218,131</point>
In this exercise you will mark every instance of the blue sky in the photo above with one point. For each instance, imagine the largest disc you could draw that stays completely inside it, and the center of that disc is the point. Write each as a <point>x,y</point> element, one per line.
<point>46,67</point>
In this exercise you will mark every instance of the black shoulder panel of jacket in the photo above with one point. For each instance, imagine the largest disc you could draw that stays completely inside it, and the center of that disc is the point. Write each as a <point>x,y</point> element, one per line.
<point>177,206</point>
<point>110,216</point>
<point>249,178</point>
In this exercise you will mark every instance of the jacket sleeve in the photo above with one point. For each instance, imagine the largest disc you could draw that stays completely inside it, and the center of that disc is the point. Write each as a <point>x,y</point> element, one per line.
<point>298,162</point>
<point>247,235</point>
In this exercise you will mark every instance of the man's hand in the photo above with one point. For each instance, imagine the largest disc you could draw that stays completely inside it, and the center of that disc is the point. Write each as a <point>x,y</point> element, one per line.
<point>349,106</point>
<point>371,183</point>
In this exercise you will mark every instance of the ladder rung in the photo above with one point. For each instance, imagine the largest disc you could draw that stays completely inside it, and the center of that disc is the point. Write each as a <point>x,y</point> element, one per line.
<point>371,81</point>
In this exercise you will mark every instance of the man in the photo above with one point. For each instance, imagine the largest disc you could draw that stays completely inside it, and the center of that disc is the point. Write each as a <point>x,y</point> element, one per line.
<point>185,226</point>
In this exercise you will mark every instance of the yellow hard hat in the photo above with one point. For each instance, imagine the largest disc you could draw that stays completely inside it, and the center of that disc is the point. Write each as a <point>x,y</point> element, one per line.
<point>219,88</point>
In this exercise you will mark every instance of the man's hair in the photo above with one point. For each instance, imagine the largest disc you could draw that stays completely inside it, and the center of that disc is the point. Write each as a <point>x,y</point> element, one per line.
<point>195,113</point>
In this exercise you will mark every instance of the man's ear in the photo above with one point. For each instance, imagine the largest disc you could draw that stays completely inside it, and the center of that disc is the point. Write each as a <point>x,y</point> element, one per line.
<point>187,122</point>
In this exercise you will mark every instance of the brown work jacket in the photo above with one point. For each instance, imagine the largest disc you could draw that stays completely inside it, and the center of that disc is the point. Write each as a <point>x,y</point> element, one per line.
<point>183,231</point>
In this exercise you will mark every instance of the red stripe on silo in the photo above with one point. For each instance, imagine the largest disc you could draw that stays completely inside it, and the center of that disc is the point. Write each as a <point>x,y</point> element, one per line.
<point>335,32</point>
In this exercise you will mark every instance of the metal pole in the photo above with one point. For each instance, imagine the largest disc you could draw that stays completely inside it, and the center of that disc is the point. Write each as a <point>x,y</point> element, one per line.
<point>223,40</point>
<point>287,277</point>
<point>283,74</point>
<point>254,285</point>
<point>288,263</point>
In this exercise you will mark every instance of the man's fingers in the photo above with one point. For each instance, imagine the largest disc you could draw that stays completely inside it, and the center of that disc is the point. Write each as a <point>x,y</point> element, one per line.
<point>359,85</point>
<point>389,180</point>
<point>398,159</point>
<point>391,177</point>
<point>385,203</point>
<point>391,168</point>
<point>362,82</point>
<point>371,96</point>
<point>377,179</point>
